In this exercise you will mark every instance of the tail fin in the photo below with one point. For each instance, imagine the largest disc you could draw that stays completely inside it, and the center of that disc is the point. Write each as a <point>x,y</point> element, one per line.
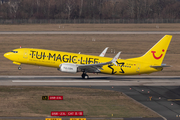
<point>157,53</point>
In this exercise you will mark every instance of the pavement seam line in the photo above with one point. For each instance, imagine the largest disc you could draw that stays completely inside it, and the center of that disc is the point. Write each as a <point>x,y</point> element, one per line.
<point>144,106</point>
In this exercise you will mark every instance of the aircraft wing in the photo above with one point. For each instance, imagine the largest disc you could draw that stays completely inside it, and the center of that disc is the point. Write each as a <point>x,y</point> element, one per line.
<point>96,67</point>
<point>103,52</point>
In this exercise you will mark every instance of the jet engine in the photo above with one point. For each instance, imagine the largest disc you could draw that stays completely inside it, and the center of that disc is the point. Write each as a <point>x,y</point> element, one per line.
<point>68,67</point>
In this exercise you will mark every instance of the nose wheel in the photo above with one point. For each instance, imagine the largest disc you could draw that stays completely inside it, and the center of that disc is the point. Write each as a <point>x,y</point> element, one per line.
<point>19,68</point>
<point>84,76</point>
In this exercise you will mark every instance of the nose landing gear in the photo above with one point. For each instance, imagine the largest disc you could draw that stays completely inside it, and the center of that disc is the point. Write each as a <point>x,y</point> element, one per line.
<point>19,68</point>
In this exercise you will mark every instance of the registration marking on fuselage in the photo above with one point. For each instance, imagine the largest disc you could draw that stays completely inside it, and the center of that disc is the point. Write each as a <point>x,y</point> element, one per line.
<point>64,81</point>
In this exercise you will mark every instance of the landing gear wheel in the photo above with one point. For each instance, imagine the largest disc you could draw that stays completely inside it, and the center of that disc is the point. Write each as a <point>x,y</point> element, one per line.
<point>19,68</point>
<point>85,76</point>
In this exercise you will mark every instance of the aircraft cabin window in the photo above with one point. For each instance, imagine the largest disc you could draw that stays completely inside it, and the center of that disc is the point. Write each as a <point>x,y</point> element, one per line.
<point>14,51</point>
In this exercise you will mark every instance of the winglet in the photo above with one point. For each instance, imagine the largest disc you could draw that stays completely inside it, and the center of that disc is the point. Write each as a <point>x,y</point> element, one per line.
<point>104,52</point>
<point>99,65</point>
<point>116,57</point>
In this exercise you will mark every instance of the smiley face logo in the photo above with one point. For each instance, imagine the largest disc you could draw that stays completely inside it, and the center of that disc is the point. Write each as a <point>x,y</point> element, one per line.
<point>153,52</point>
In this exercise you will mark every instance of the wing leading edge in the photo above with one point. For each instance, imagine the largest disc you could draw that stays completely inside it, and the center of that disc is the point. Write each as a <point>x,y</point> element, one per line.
<point>97,67</point>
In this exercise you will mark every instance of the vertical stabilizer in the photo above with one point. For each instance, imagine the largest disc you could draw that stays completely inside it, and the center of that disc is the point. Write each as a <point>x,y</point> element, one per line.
<point>157,53</point>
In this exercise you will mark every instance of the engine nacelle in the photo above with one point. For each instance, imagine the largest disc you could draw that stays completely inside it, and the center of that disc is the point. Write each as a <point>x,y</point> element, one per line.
<point>68,67</point>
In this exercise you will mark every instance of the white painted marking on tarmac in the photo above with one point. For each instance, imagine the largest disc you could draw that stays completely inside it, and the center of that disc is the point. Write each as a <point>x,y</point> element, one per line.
<point>64,81</point>
<point>90,32</point>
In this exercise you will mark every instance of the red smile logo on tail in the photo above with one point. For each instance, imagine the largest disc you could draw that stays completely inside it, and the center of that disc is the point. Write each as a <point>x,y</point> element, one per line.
<point>153,52</point>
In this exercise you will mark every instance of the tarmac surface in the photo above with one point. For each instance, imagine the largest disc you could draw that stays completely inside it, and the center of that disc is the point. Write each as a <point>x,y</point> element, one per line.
<point>93,81</point>
<point>165,100</point>
<point>159,93</point>
<point>89,32</point>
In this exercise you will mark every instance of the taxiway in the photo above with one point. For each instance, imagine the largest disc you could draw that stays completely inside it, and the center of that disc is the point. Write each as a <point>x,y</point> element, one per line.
<point>159,93</point>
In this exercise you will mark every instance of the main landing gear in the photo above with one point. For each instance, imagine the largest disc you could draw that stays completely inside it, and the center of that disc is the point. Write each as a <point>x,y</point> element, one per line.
<point>84,76</point>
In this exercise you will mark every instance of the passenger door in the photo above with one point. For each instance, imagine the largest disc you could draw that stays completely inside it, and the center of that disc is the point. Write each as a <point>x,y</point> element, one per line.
<point>25,54</point>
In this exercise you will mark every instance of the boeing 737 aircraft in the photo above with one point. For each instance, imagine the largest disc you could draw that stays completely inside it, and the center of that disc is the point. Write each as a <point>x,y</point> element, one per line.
<point>73,63</point>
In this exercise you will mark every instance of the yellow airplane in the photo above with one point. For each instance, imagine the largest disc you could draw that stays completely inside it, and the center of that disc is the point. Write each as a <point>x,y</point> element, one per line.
<point>73,63</point>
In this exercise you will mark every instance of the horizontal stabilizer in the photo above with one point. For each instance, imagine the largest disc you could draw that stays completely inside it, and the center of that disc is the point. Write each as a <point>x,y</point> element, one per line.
<point>161,66</point>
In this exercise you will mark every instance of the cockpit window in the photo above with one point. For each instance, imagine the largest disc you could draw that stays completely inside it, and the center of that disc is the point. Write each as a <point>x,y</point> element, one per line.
<point>14,51</point>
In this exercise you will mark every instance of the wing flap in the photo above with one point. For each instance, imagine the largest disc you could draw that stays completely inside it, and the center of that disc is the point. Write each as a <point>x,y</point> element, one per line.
<point>97,67</point>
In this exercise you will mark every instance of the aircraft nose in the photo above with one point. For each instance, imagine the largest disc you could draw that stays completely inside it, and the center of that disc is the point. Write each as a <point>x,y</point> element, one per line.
<point>6,55</point>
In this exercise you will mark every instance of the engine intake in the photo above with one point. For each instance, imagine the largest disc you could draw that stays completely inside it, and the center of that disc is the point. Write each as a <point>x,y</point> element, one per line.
<point>68,67</point>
